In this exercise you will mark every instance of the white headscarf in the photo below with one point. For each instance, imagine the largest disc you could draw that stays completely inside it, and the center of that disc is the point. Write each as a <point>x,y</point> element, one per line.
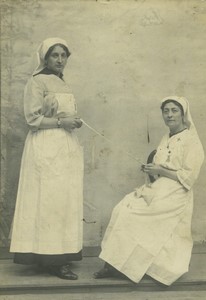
<point>43,49</point>
<point>186,109</point>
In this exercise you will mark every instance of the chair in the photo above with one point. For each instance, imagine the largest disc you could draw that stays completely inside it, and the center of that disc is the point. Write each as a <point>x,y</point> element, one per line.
<point>150,160</point>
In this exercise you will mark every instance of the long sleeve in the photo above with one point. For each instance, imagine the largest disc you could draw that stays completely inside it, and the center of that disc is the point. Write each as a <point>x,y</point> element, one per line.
<point>33,103</point>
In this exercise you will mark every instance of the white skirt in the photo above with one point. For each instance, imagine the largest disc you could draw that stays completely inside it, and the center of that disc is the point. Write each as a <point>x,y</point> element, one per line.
<point>155,239</point>
<point>49,206</point>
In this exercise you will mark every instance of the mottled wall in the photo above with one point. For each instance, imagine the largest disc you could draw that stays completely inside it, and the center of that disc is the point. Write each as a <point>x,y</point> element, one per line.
<point>126,56</point>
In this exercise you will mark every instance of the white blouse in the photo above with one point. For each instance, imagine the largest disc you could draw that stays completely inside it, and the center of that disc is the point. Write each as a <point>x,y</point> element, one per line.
<point>47,96</point>
<point>183,153</point>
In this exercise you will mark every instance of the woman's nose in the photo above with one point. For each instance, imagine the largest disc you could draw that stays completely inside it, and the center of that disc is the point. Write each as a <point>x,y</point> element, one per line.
<point>59,58</point>
<point>170,114</point>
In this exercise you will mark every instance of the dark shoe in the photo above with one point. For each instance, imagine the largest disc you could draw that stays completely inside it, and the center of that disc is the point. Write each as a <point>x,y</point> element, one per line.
<point>63,272</point>
<point>103,273</point>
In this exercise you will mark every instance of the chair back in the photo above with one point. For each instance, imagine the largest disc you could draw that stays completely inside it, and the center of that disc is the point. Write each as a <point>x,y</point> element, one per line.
<point>149,161</point>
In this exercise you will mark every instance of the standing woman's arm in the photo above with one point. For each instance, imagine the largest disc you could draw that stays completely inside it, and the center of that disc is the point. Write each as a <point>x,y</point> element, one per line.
<point>33,103</point>
<point>34,113</point>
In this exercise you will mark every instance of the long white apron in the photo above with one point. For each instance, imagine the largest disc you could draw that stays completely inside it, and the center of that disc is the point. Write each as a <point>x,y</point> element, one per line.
<point>49,207</point>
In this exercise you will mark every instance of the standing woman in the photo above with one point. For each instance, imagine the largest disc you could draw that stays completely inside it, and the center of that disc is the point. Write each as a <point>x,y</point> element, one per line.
<point>47,226</point>
<point>150,229</point>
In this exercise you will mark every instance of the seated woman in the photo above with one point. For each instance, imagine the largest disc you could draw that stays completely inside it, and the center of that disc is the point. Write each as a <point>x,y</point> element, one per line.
<point>150,229</point>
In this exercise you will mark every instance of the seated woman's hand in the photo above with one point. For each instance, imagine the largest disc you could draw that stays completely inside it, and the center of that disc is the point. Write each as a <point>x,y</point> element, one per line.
<point>151,169</point>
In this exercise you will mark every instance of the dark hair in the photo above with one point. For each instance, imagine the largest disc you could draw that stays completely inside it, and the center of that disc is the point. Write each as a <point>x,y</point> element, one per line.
<point>52,48</point>
<point>173,101</point>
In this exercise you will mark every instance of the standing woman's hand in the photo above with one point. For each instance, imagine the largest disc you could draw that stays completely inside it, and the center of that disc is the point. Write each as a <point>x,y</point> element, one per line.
<point>78,122</point>
<point>70,123</point>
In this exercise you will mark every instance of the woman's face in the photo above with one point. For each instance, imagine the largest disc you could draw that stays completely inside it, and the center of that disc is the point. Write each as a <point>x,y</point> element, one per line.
<point>57,60</point>
<point>173,117</point>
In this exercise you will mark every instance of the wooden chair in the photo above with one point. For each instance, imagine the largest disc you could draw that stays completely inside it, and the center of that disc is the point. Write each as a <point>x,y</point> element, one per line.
<point>150,160</point>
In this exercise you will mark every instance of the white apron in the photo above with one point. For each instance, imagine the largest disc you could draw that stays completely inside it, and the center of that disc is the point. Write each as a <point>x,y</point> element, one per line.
<point>49,206</point>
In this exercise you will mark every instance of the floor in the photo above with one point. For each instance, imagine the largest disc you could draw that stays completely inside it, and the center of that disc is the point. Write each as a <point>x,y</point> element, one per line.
<point>27,282</point>
<point>132,295</point>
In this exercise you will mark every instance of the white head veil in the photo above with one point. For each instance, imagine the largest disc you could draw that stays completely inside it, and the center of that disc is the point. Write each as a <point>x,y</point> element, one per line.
<point>186,109</point>
<point>43,49</point>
